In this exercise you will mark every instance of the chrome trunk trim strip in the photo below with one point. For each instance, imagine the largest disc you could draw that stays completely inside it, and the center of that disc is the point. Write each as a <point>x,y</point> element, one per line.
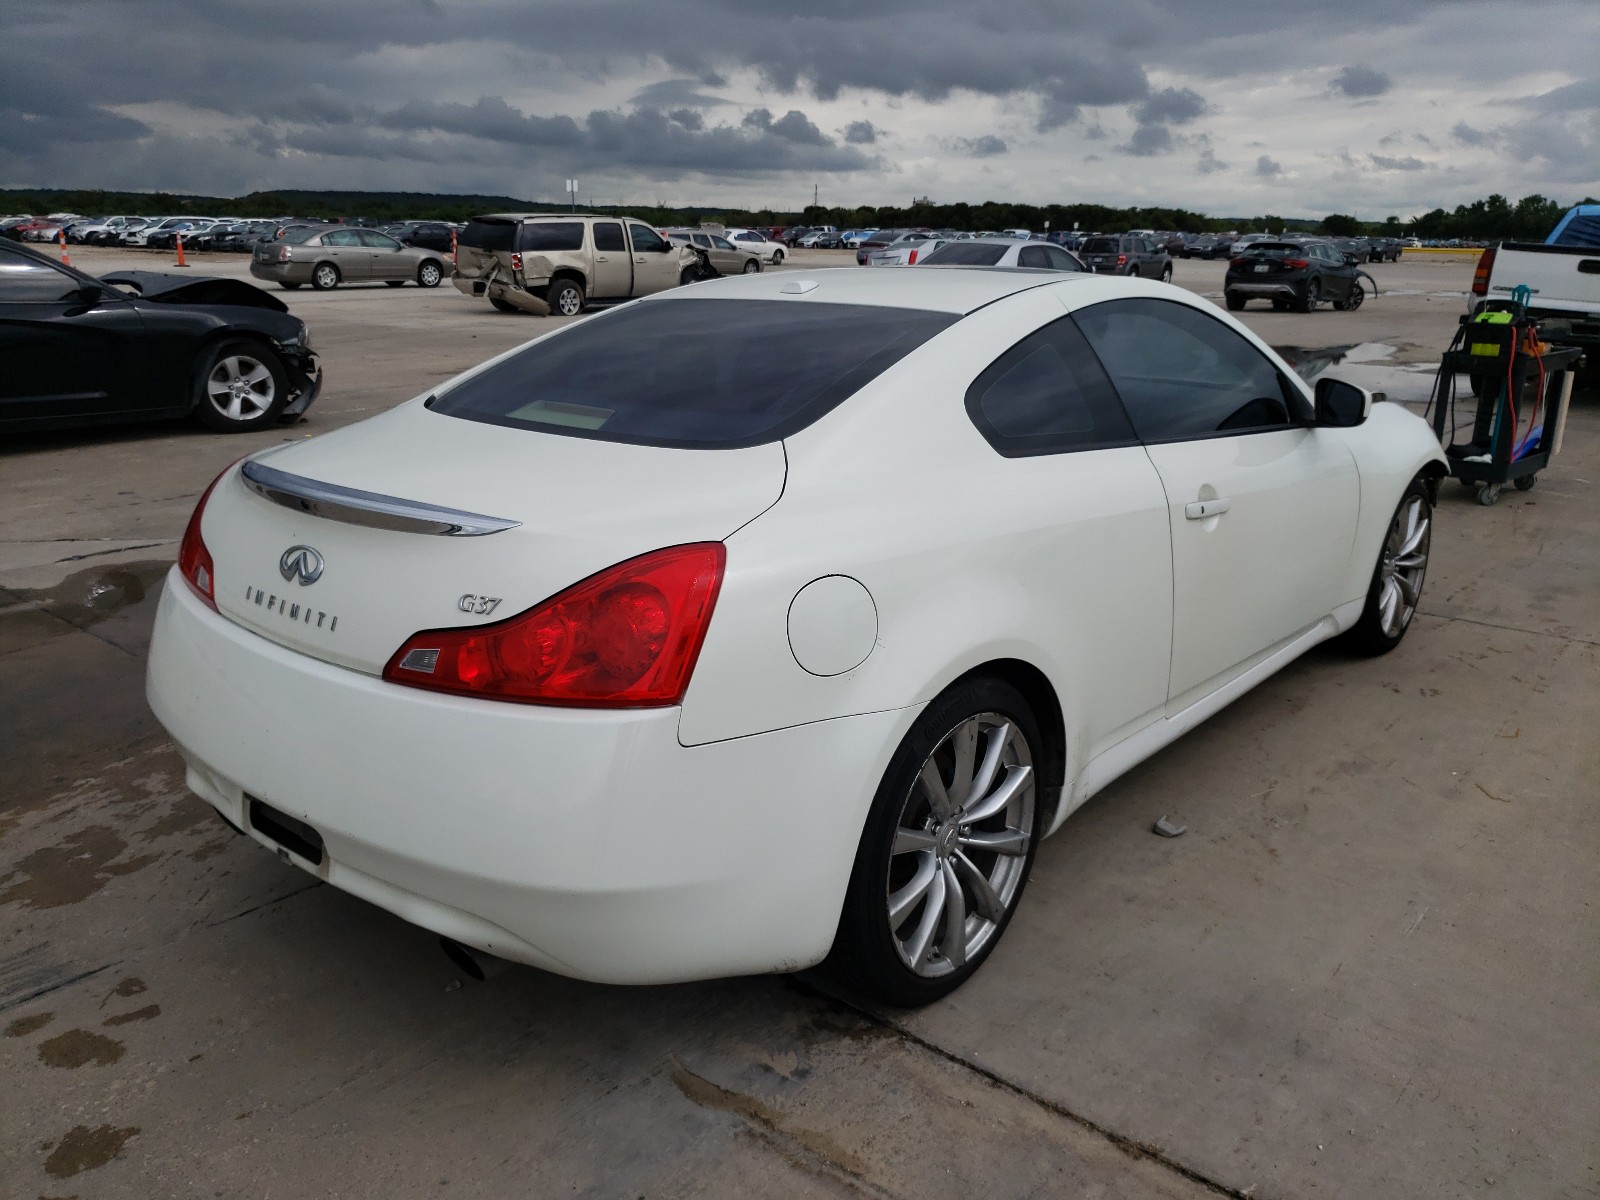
<point>355,507</point>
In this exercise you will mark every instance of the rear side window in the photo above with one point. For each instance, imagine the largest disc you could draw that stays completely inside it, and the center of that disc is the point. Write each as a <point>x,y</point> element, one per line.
<point>1060,260</point>
<point>544,236</point>
<point>659,374</point>
<point>1184,375</point>
<point>1048,395</point>
<point>299,235</point>
<point>965,254</point>
<point>608,236</point>
<point>488,235</point>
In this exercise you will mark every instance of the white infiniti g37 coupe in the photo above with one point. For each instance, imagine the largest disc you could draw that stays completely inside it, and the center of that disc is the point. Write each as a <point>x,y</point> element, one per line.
<point>612,657</point>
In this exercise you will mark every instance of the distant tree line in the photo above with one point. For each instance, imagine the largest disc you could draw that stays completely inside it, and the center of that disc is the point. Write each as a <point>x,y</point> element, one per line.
<point>1493,218</point>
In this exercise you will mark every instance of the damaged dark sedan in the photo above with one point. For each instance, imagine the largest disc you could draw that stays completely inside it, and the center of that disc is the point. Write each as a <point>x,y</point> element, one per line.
<point>140,345</point>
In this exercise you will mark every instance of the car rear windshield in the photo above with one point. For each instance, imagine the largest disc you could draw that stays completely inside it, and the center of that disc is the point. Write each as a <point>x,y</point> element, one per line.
<point>1100,245</point>
<point>540,236</point>
<point>488,235</point>
<point>660,373</point>
<point>1275,250</point>
<point>965,254</point>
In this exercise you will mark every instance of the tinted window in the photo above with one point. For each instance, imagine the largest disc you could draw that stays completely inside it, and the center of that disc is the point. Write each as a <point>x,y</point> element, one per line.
<point>488,235</point>
<point>1033,256</point>
<point>608,236</point>
<point>1100,245</point>
<point>1060,260</point>
<point>1047,395</point>
<point>374,240</point>
<point>27,281</point>
<point>721,243</point>
<point>341,237</point>
<point>965,254</point>
<point>658,373</point>
<point>1274,250</point>
<point>645,238</point>
<point>546,236</point>
<point>700,239</point>
<point>1182,374</point>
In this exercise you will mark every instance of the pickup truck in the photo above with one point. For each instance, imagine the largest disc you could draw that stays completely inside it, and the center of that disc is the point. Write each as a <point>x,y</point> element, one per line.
<point>538,263</point>
<point>1562,272</point>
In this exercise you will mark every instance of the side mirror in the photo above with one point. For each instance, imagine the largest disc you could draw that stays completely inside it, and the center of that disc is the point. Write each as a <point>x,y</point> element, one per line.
<point>1342,405</point>
<point>665,246</point>
<point>1350,260</point>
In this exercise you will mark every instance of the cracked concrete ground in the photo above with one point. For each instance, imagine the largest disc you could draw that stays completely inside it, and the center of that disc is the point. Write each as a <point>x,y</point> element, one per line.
<point>1368,969</point>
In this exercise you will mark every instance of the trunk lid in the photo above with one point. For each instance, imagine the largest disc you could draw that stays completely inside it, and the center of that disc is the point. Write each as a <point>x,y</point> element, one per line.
<point>578,505</point>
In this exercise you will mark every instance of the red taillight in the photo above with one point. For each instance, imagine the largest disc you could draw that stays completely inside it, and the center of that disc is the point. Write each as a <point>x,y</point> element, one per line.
<point>1122,260</point>
<point>1297,264</point>
<point>285,253</point>
<point>912,261</point>
<point>625,638</point>
<point>516,262</point>
<point>1480,273</point>
<point>1236,262</point>
<point>194,560</point>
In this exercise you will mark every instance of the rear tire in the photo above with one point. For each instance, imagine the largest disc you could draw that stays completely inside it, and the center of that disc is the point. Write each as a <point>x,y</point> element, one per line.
<point>1166,275</point>
<point>1311,296</point>
<point>1235,302</point>
<point>1397,579</point>
<point>325,278</point>
<point>967,893</point>
<point>1353,301</point>
<point>565,297</point>
<point>241,386</point>
<point>687,276</point>
<point>504,306</point>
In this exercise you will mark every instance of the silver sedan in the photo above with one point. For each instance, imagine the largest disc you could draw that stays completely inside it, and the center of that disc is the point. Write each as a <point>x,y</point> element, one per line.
<point>326,257</point>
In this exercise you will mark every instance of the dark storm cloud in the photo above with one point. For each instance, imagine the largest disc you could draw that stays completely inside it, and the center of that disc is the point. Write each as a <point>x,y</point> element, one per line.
<point>24,130</point>
<point>1268,167</point>
<point>1468,136</point>
<point>1361,82</point>
<point>861,133</point>
<point>1148,140</point>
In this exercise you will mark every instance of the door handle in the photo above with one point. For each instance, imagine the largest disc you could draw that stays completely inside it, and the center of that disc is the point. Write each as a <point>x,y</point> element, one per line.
<point>1198,510</point>
<point>601,258</point>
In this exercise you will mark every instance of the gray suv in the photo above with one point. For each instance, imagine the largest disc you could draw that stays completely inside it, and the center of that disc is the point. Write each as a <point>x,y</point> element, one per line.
<point>1126,254</point>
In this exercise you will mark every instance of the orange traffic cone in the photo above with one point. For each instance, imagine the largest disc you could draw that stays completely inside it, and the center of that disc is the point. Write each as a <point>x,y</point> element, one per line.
<point>180,262</point>
<point>66,260</point>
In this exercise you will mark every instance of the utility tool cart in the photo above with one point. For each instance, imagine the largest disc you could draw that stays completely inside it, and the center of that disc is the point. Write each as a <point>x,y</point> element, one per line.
<point>1523,387</point>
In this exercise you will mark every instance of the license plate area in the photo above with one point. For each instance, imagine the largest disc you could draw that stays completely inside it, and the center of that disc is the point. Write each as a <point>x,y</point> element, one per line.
<point>293,835</point>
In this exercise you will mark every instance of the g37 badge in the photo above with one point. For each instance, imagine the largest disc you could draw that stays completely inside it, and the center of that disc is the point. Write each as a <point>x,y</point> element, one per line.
<point>481,605</point>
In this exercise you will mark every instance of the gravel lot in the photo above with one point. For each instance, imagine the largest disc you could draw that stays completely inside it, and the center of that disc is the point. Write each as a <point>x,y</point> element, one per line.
<point>1369,968</point>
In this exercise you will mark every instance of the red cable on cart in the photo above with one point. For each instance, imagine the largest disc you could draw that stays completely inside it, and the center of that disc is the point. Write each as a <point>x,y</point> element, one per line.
<point>1538,399</point>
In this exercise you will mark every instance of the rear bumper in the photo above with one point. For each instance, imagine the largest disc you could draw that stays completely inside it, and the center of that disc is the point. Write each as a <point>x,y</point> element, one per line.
<point>592,844</point>
<point>1265,289</point>
<point>281,272</point>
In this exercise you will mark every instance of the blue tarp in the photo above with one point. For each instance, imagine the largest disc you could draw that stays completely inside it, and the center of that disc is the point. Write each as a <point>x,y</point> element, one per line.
<point>1580,227</point>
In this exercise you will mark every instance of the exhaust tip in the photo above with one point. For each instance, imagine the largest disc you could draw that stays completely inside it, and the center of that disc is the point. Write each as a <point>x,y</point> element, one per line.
<point>474,964</point>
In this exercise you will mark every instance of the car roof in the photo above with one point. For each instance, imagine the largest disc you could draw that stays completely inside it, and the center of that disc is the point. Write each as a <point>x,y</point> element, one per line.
<point>952,291</point>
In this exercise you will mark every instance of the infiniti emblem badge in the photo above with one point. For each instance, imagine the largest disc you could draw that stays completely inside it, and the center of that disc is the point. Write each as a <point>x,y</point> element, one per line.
<point>301,563</point>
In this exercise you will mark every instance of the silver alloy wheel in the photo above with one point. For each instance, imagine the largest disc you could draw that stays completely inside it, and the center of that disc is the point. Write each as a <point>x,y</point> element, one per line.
<point>240,387</point>
<point>326,277</point>
<point>569,303</point>
<point>428,276</point>
<point>1404,563</point>
<point>961,845</point>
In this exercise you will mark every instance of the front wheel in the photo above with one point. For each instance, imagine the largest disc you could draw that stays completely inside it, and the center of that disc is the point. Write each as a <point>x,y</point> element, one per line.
<point>947,847</point>
<point>565,298</point>
<point>1396,588</point>
<point>751,266</point>
<point>1166,275</point>
<point>1353,301</point>
<point>429,274</point>
<point>241,386</point>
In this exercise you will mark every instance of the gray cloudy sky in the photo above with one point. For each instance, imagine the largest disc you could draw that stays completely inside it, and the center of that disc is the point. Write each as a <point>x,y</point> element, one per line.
<point>1231,107</point>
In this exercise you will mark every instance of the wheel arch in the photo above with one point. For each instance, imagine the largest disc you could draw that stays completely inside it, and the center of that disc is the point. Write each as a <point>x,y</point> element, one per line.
<point>1040,694</point>
<point>216,337</point>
